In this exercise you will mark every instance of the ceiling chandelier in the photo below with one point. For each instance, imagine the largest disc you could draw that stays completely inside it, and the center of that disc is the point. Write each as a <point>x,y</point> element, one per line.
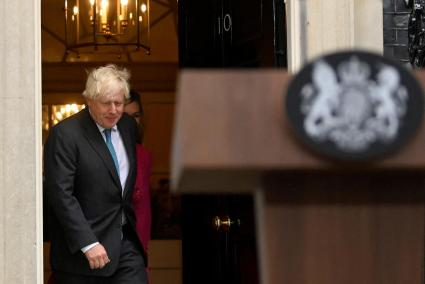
<point>106,24</point>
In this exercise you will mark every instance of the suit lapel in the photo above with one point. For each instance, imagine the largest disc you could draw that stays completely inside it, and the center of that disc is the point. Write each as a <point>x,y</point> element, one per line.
<point>130,149</point>
<point>95,139</point>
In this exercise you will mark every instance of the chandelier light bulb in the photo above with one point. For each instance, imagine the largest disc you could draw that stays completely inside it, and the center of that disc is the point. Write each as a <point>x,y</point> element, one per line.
<point>143,8</point>
<point>124,4</point>
<point>75,10</point>
<point>91,2</point>
<point>104,12</point>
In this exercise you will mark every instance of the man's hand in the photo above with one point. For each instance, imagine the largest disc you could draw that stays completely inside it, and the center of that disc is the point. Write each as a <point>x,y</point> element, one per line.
<point>97,257</point>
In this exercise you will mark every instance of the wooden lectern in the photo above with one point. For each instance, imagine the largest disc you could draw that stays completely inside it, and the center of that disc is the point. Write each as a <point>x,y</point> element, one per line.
<point>318,222</point>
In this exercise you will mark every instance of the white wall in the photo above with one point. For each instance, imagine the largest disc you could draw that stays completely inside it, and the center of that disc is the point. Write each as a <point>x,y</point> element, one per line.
<point>20,142</point>
<point>316,27</point>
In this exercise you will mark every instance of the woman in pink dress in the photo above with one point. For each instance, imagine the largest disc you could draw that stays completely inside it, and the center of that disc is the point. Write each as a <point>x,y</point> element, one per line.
<point>141,194</point>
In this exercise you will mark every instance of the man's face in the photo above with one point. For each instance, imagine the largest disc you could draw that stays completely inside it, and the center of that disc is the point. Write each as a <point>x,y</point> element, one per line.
<point>107,110</point>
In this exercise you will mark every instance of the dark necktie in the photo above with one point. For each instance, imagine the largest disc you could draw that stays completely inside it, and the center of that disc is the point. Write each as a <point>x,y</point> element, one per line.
<point>111,149</point>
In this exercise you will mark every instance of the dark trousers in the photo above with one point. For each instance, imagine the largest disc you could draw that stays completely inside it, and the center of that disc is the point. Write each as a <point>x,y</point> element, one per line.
<point>131,268</point>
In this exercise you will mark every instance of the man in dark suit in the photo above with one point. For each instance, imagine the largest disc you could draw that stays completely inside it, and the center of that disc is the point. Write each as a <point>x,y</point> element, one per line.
<point>90,171</point>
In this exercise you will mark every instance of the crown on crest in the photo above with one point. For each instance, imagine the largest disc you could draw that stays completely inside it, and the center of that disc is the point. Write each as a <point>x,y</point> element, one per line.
<point>353,71</point>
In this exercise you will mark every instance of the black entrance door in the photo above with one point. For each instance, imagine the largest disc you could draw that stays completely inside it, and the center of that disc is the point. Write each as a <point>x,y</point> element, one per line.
<point>232,33</point>
<point>218,231</point>
<point>218,240</point>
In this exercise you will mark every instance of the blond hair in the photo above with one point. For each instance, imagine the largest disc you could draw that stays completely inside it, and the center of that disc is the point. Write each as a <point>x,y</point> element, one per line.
<point>105,80</point>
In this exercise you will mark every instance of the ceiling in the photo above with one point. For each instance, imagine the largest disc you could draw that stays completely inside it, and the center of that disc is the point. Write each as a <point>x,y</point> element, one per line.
<point>163,36</point>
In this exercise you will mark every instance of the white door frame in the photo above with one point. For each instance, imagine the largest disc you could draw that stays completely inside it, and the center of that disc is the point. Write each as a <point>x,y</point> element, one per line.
<point>312,30</point>
<point>21,209</point>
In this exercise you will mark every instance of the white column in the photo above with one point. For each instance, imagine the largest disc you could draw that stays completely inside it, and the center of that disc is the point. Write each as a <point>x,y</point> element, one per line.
<point>368,22</point>
<point>317,27</point>
<point>20,143</point>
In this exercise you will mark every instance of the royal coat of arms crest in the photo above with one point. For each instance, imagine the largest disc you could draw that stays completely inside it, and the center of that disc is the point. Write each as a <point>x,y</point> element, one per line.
<point>354,105</point>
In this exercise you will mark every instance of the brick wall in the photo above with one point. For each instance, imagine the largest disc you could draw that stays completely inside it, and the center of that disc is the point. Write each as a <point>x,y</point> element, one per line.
<point>396,18</point>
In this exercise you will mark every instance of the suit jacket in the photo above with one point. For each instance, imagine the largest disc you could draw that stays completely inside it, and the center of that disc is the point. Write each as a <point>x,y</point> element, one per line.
<point>142,195</point>
<point>84,192</point>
